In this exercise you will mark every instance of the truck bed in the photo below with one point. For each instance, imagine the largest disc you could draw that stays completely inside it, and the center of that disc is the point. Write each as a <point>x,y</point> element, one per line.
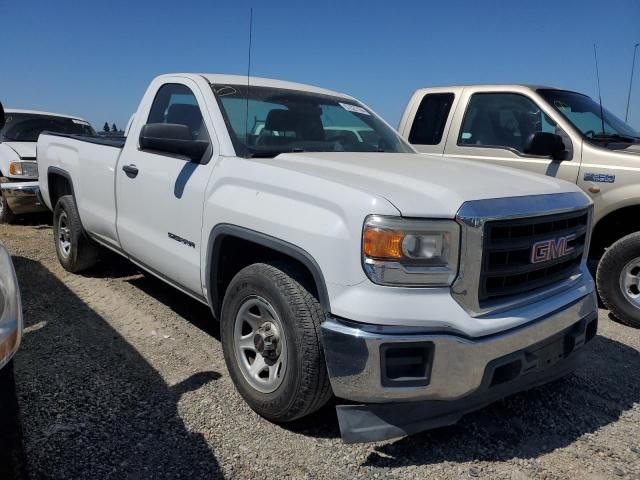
<point>117,142</point>
<point>89,163</point>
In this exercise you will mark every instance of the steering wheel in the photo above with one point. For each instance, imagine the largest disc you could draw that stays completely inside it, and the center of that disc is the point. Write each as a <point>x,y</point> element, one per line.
<point>589,132</point>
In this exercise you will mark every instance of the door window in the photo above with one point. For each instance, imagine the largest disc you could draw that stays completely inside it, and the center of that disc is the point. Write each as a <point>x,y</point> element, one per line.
<point>503,120</point>
<point>176,103</point>
<point>431,118</point>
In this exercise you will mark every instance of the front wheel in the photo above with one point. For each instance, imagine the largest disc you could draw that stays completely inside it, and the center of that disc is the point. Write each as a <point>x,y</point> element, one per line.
<point>76,252</point>
<point>270,326</point>
<point>6,215</point>
<point>618,279</point>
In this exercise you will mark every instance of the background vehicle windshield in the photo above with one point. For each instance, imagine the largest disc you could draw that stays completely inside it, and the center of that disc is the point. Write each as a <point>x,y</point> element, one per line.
<point>282,120</point>
<point>584,114</point>
<point>26,127</point>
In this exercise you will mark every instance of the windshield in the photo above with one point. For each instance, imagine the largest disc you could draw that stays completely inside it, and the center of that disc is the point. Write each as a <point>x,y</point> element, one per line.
<point>584,114</point>
<point>26,127</point>
<point>282,120</point>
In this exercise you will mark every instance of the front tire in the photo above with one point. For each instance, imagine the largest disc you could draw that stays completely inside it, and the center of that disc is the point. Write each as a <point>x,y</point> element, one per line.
<point>618,279</point>
<point>76,252</point>
<point>270,326</point>
<point>6,215</point>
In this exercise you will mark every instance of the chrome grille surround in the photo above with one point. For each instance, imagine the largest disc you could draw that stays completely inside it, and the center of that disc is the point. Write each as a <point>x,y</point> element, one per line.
<point>472,217</point>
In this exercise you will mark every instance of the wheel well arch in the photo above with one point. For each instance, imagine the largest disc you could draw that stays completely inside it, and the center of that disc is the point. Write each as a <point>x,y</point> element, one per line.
<point>231,248</point>
<point>612,227</point>
<point>60,184</point>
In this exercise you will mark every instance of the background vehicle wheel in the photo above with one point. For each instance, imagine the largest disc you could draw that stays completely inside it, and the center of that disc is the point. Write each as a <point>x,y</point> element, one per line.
<point>75,250</point>
<point>12,458</point>
<point>618,279</point>
<point>6,215</point>
<point>270,326</point>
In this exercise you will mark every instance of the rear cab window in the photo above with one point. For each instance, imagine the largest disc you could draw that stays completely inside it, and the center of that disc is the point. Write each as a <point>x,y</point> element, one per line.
<point>431,118</point>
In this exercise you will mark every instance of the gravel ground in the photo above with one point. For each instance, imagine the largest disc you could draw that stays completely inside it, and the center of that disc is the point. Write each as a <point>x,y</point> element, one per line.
<point>120,376</point>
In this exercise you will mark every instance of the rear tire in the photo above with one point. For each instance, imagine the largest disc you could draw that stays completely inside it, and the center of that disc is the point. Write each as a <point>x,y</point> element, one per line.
<point>76,252</point>
<point>265,299</point>
<point>6,215</point>
<point>618,279</point>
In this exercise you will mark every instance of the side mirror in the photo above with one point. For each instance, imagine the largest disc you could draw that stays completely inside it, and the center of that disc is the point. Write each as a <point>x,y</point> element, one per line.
<point>1,116</point>
<point>172,138</point>
<point>545,144</point>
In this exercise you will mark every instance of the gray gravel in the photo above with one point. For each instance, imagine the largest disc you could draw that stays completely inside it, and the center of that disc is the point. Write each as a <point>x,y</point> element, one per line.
<point>120,376</point>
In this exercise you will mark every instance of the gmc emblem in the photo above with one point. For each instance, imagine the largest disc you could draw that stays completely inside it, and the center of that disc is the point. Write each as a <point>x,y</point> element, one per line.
<point>547,250</point>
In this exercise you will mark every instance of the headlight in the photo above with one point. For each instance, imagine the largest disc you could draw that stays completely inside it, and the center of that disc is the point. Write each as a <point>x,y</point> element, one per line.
<point>11,313</point>
<point>29,169</point>
<point>403,252</point>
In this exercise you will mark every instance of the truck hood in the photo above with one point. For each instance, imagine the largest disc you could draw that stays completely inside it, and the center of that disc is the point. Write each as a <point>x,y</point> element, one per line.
<point>633,149</point>
<point>23,149</point>
<point>418,184</point>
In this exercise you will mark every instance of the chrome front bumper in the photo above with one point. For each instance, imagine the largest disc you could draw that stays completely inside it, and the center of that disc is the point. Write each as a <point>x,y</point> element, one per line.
<point>463,374</point>
<point>23,197</point>
<point>458,365</point>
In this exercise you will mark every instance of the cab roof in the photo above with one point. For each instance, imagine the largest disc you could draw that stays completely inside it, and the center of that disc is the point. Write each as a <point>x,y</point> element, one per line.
<point>37,112</point>
<point>495,86</point>
<point>222,79</point>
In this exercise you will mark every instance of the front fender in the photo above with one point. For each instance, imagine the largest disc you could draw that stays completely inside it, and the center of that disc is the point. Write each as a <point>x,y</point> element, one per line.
<point>7,155</point>
<point>317,216</point>
<point>615,199</point>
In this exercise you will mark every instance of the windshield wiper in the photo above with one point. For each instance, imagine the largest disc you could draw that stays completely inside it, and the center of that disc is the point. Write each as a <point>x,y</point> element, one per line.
<point>273,153</point>
<point>614,136</point>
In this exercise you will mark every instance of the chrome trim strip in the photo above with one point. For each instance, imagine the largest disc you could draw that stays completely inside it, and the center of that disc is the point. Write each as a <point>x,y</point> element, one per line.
<point>17,189</point>
<point>472,217</point>
<point>354,363</point>
<point>23,197</point>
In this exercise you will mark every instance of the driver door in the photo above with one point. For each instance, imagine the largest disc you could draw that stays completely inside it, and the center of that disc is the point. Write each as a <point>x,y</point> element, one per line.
<point>160,195</point>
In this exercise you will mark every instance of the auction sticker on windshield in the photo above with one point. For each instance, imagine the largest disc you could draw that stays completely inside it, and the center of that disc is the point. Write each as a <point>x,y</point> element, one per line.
<point>353,108</point>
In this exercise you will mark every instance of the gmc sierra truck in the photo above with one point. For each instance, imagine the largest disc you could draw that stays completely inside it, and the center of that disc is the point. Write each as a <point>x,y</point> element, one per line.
<point>19,193</point>
<point>337,263</point>
<point>557,133</point>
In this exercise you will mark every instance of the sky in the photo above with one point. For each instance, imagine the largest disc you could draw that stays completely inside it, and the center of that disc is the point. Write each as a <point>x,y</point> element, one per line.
<point>95,59</point>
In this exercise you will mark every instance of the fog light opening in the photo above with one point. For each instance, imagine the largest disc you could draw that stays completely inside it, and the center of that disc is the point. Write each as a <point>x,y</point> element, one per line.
<point>406,365</point>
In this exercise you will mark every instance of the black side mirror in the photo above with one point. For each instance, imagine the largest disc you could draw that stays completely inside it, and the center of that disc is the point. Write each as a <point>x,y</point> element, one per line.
<point>1,116</point>
<point>545,144</point>
<point>172,138</point>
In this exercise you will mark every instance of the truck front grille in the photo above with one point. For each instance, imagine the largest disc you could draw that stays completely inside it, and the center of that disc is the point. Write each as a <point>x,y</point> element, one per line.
<point>523,255</point>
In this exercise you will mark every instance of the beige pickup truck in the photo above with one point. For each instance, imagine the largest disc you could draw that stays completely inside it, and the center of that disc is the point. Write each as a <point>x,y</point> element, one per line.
<point>553,132</point>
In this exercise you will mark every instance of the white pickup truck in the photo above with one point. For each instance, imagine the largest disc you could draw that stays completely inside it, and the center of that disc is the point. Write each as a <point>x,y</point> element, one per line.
<point>336,262</point>
<point>18,167</point>
<point>557,133</point>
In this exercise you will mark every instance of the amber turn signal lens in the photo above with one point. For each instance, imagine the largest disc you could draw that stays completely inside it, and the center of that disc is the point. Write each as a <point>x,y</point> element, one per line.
<point>15,168</point>
<point>378,243</point>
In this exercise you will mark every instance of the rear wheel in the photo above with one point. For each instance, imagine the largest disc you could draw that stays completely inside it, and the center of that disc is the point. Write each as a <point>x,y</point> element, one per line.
<point>6,215</point>
<point>270,327</point>
<point>76,252</point>
<point>618,279</point>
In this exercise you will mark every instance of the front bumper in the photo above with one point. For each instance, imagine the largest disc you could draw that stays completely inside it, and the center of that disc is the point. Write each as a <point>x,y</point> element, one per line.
<point>23,197</point>
<point>462,373</point>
